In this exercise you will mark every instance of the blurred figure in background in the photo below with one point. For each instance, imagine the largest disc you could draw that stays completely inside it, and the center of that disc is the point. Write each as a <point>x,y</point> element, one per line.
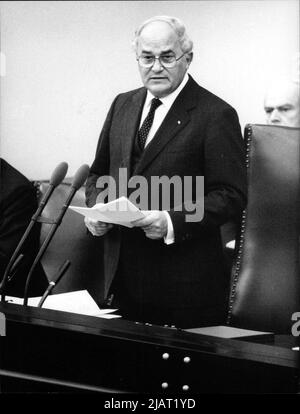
<point>18,202</point>
<point>282,105</point>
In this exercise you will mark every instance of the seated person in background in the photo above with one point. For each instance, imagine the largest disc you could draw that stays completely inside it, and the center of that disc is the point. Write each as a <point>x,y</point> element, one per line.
<point>18,202</point>
<point>282,105</point>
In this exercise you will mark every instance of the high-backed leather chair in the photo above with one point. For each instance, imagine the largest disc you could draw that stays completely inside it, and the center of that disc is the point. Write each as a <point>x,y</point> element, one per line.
<point>265,288</point>
<point>72,241</point>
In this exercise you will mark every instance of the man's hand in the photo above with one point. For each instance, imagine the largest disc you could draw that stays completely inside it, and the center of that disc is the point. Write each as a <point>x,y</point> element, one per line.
<point>155,224</point>
<point>97,228</point>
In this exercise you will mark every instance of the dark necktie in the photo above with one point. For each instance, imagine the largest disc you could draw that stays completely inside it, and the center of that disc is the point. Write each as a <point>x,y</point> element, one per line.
<point>148,121</point>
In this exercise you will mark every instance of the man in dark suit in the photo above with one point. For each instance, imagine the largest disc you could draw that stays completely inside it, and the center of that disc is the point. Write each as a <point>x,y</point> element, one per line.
<point>18,202</point>
<point>168,269</point>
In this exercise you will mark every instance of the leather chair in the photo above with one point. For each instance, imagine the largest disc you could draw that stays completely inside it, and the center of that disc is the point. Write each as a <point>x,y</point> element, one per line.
<point>265,288</point>
<point>71,241</point>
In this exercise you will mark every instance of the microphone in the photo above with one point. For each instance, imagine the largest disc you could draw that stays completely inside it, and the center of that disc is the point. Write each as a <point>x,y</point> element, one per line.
<point>15,267</point>
<point>56,178</point>
<point>61,271</point>
<point>78,180</point>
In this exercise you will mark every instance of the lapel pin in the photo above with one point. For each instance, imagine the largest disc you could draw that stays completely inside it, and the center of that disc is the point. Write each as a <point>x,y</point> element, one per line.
<point>178,122</point>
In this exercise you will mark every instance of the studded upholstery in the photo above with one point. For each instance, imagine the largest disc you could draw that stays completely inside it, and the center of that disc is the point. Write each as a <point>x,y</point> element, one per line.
<point>265,289</point>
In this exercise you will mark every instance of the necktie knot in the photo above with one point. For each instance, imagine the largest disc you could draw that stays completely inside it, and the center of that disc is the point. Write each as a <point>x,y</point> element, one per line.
<point>155,103</point>
<point>147,124</point>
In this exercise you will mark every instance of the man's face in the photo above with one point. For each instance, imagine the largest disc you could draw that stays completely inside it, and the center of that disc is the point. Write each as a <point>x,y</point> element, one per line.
<point>282,105</point>
<point>156,39</point>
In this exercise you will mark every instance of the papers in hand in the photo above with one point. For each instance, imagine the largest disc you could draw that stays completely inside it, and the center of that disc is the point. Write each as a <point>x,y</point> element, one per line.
<point>76,302</point>
<point>120,211</point>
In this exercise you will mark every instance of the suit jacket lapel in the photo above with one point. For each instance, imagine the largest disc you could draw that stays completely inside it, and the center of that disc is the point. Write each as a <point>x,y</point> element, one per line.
<point>131,117</point>
<point>176,119</point>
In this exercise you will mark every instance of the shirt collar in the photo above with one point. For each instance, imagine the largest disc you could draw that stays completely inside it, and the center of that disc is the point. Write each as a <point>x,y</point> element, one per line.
<point>169,99</point>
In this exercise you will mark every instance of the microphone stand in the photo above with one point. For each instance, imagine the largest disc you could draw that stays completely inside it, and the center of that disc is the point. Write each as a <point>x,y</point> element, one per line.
<point>62,270</point>
<point>16,266</point>
<point>57,176</point>
<point>78,181</point>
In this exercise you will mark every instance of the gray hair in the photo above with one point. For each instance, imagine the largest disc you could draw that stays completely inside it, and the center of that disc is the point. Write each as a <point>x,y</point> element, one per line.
<point>185,42</point>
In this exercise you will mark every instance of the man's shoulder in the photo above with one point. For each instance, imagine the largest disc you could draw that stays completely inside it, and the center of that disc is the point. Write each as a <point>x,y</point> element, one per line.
<point>133,95</point>
<point>207,98</point>
<point>131,99</point>
<point>12,179</point>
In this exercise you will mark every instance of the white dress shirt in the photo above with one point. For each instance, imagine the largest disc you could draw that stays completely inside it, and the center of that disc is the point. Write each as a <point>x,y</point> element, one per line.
<point>159,116</point>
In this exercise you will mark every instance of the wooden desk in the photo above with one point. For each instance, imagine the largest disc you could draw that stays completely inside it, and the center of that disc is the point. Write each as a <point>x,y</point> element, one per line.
<point>58,351</point>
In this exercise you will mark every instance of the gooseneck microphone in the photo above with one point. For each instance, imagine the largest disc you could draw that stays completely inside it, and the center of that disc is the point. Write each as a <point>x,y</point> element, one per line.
<point>78,181</point>
<point>56,178</point>
<point>15,267</point>
<point>61,271</point>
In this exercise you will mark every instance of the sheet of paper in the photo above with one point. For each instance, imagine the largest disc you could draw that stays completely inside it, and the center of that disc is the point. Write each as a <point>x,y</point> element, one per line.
<point>226,331</point>
<point>231,244</point>
<point>120,211</point>
<point>79,302</point>
<point>108,316</point>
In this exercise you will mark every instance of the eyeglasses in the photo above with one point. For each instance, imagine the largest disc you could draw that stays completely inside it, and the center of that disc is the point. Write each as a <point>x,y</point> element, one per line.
<point>167,61</point>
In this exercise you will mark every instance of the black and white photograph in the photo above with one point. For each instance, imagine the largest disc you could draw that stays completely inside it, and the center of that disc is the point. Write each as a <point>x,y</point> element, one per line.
<point>149,200</point>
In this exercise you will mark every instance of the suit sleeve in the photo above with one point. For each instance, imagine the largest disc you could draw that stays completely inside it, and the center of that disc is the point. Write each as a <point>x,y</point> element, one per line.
<point>225,180</point>
<point>101,163</point>
<point>16,211</point>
